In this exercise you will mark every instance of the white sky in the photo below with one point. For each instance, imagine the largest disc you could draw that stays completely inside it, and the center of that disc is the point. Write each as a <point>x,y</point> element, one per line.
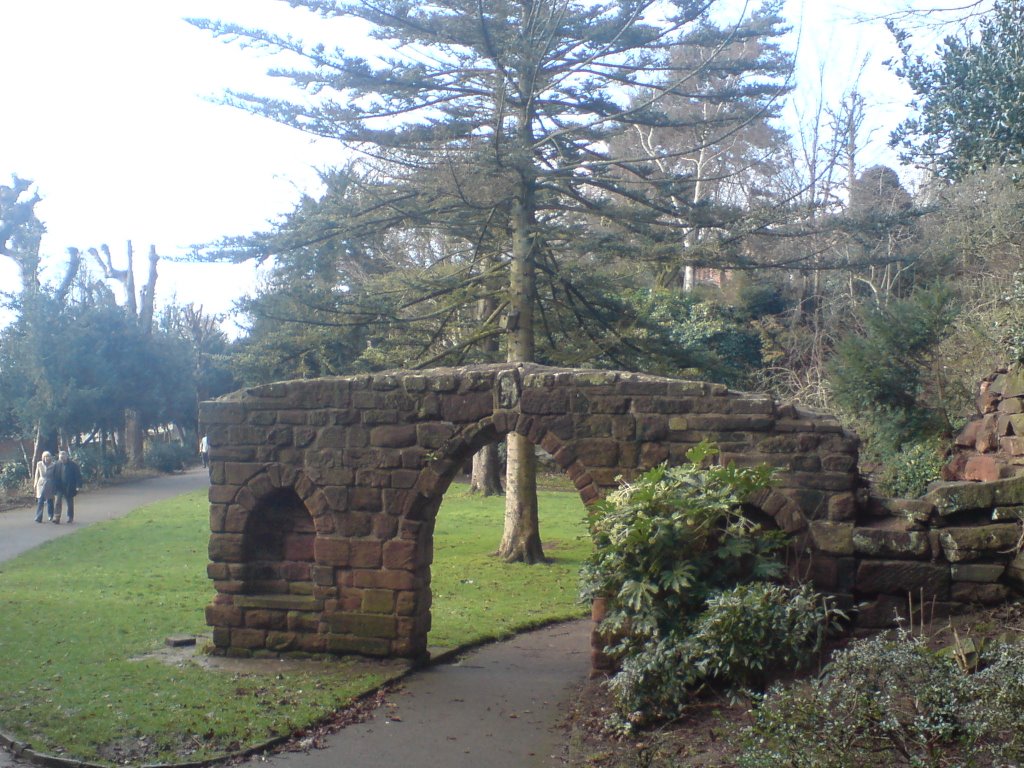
<point>106,107</point>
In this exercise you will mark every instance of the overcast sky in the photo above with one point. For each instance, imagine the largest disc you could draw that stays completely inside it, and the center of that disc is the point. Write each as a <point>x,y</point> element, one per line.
<point>107,107</point>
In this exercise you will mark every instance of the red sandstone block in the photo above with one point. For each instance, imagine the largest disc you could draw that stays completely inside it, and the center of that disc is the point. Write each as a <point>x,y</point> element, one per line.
<point>400,554</point>
<point>331,550</point>
<point>842,506</point>
<point>370,499</point>
<point>985,469</point>
<point>257,619</point>
<point>382,579</point>
<point>596,452</point>
<point>303,621</point>
<point>385,527</point>
<point>226,547</point>
<point>366,554</point>
<point>221,637</point>
<point>222,494</point>
<point>248,638</point>
<point>224,616</point>
<point>405,603</point>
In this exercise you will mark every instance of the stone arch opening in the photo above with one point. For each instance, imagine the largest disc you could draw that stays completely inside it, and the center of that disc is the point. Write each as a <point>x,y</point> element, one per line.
<point>439,475</point>
<point>278,545</point>
<point>450,583</point>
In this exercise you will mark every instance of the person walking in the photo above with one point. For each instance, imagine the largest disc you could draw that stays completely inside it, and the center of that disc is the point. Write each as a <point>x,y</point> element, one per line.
<point>45,484</point>
<point>204,452</point>
<point>69,480</point>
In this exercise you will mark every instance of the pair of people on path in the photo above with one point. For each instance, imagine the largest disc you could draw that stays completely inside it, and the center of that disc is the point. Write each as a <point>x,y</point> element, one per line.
<point>56,481</point>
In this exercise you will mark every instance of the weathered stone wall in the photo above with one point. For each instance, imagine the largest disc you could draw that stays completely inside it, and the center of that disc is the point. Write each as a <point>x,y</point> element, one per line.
<point>324,495</point>
<point>352,471</point>
<point>991,446</point>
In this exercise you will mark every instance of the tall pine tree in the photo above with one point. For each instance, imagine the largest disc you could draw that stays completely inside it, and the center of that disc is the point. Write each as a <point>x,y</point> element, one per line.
<point>509,111</point>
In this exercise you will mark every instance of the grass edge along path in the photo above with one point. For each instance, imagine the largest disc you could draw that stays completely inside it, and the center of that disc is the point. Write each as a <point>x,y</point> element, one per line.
<point>80,614</point>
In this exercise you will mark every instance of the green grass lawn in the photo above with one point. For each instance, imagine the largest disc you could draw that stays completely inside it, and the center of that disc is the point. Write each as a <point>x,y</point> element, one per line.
<point>77,614</point>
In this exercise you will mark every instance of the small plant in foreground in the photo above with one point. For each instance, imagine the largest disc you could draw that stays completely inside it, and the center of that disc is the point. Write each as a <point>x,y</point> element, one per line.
<point>892,701</point>
<point>744,634</point>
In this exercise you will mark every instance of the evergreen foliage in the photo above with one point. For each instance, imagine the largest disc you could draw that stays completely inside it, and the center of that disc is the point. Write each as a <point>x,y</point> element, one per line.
<point>683,570</point>
<point>970,111</point>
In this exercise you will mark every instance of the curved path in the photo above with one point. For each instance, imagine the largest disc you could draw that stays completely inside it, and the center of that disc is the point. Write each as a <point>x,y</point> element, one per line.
<point>19,531</point>
<point>498,706</point>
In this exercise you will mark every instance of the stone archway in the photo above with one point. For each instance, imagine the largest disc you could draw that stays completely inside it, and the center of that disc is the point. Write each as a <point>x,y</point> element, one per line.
<point>369,458</point>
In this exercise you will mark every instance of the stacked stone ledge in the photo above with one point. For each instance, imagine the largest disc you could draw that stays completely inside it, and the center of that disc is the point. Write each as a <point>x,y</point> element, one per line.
<point>991,445</point>
<point>323,492</point>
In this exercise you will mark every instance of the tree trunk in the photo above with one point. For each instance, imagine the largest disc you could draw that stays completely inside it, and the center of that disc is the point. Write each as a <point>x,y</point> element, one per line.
<point>486,478</point>
<point>520,541</point>
<point>134,439</point>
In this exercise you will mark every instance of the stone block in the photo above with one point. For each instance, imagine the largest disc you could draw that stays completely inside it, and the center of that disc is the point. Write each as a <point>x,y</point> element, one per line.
<point>224,616</point>
<point>363,625</point>
<point>950,498</point>
<point>597,452</point>
<point>405,603</point>
<point>832,538</point>
<point>839,462</point>
<point>881,542</point>
<point>332,551</point>
<point>266,619</point>
<point>378,601</point>
<point>279,602</point>
<point>1013,446</point>
<point>985,468</point>
<point>898,577</point>
<point>364,646</point>
<point>842,506</point>
<point>978,542</point>
<point>470,406</point>
<point>226,547</point>
<point>1014,574</point>
<point>400,554</point>
<point>398,436</point>
<point>980,573</point>
<point>984,594</point>
<point>384,579</point>
<point>248,639</point>
<point>365,553</point>
<point>365,499</point>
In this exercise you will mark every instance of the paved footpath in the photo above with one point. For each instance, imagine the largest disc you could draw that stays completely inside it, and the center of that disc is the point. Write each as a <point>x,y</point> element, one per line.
<point>499,706</point>
<point>19,531</point>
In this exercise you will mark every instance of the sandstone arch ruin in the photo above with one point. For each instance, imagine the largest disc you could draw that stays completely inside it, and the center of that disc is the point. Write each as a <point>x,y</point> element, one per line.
<point>351,471</point>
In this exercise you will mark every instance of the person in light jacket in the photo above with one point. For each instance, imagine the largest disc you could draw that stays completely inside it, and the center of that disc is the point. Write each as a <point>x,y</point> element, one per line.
<point>46,485</point>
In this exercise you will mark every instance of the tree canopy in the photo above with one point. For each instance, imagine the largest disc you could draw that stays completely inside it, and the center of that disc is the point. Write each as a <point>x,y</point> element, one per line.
<point>968,98</point>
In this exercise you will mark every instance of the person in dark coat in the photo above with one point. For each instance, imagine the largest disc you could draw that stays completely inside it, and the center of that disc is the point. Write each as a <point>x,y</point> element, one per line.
<point>68,480</point>
<point>45,485</point>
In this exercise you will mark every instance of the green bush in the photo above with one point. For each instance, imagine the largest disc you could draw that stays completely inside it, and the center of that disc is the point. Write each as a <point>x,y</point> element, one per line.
<point>97,464</point>
<point>13,476</point>
<point>744,634</point>
<point>892,701</point>
<point>907,473</point>
<point>670,550</point>
<point>168,457</point>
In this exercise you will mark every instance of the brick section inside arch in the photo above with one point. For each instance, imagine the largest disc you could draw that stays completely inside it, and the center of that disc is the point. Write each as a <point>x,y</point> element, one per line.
<point>356,466</point>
